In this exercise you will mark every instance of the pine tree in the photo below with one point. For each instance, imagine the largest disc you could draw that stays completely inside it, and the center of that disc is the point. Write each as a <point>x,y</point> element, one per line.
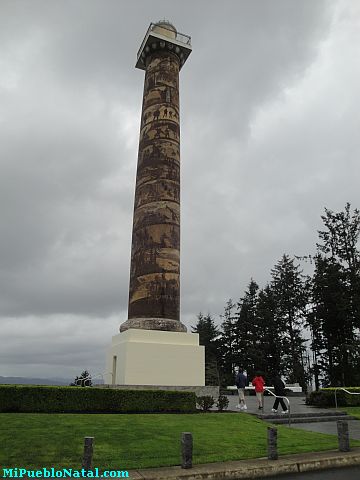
<point>271,343</point>
<point>228,343</point>
<point>84,380</point>
<point>290,290</point>
<point>340,244</point>
<point>336,298</point>
<point>209,338</point>
<point>248,336</point>
<point>252,338</point>
<point>330,312</point>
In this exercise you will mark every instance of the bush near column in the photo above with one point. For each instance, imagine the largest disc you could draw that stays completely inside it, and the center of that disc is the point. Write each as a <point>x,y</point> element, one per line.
<point>205,402</point>
<point>325,397</point>
<point>49,399</point>
<point>222,403</point>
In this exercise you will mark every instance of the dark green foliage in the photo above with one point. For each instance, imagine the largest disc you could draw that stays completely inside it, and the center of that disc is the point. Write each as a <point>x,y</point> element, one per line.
<point>263,331</point>
<point>290,292</point>
<point>222,403</point>
<point>266,329</point>
<point>208,332</point>
<point>332,328</point>
<point>271,335</point>
<point>334,318</point>
<point>84,380</point>
<point>228,344</point>
<point>340,238</point>
<point>205,402</point>
<point>325,397</point>
<point>34,398</point>
<point>212,374</point>
<point>321,398</point>
<point>248,332</point>
<point>209,338</point>
<point>259,334</point>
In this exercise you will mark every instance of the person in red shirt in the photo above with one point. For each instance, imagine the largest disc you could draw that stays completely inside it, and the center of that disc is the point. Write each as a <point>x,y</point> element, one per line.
<point>259,383</point>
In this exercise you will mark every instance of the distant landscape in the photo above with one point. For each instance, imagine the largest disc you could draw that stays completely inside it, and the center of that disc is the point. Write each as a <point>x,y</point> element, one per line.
<point>39,381</point>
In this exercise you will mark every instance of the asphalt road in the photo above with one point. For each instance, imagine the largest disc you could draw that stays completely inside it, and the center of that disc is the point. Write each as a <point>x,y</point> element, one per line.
<point>351,473</point>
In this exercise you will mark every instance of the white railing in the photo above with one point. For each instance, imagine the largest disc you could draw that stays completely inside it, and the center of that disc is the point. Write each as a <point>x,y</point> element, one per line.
<point>180,37</point>
<point>293,388</point>
<point>284,398</point>
<point>346,391</point>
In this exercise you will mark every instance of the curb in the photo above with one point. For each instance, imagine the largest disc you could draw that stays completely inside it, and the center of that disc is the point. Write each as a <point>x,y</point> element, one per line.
<point>254,468</point>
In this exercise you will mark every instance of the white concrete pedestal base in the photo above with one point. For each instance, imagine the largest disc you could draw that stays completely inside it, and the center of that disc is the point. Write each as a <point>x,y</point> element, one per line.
<point>154,357</point>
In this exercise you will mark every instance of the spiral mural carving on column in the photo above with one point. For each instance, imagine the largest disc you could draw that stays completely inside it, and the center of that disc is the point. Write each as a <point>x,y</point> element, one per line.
<point>154,292</point>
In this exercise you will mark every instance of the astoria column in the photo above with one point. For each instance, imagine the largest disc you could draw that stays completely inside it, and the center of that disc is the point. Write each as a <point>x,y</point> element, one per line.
<point>154,291</point>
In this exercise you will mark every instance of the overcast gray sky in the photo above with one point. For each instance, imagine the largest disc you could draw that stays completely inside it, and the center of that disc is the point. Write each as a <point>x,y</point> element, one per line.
<point>269,137</point>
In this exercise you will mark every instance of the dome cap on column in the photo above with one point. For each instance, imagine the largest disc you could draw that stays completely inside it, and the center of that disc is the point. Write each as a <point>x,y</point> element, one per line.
<point>164,27</point>
<point>163,35</point>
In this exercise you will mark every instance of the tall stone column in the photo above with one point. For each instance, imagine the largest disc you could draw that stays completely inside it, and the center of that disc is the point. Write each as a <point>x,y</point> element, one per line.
<point>154,292</point>
<point>153,347</point>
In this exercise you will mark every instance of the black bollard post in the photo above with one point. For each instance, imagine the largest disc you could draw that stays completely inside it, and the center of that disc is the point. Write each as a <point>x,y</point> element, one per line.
<point>186,450</point>
<point>343,436</point>
<point>88,452</point>
<point>272,443</point>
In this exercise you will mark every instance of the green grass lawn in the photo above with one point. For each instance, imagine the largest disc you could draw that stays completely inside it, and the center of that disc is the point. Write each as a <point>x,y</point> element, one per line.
<point>355,411</point>
<point>142,440</point>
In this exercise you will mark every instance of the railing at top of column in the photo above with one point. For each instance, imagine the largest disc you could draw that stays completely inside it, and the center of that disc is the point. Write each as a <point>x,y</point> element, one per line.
<point>179,37</point>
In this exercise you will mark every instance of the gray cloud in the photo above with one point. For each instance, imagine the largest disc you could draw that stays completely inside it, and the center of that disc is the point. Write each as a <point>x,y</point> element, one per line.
<point>269,137</point>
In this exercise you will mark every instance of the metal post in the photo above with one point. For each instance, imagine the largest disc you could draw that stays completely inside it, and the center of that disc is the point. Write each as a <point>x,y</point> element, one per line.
<point>88,452</point>
<point>186,449</point>
<point>343,435</point>
<point>272,443</point>
<point>336,405</point>
<point>287,401</point>
<point>289,413</point>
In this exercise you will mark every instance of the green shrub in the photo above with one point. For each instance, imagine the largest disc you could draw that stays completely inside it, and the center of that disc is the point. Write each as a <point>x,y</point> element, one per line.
<point>325,397</point>
<point>205,402</point>
<point>222,403</point>
<point>46,399</point>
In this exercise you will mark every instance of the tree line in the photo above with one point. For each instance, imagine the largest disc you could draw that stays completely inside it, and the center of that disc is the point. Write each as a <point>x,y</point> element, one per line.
<point>304,327</point>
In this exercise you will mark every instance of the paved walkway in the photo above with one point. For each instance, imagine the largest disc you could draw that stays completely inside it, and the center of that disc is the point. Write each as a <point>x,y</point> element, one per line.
<point>297,406</point>
<point>330,427</point>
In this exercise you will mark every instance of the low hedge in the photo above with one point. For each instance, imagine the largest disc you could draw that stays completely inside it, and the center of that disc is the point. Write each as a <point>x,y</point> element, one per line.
<point>49,399</point>
<point>325,397</point>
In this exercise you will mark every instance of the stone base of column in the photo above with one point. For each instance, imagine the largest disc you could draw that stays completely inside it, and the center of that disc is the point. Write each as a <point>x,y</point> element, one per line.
<point>153,357</point>
<point>165,324</point>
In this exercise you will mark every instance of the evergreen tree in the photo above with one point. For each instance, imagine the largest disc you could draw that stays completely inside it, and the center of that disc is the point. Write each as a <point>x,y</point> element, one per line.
<point>209,338</point>
<point>251,336</point>
<point>290,290</point>
<point>313,322</point>
<point>271,343</point>
<point>334,318</point>
<point>228,343</point>
<point>340,244</point>
<point>248,354</point>
<point>84,380</point>
<point>330,315</point>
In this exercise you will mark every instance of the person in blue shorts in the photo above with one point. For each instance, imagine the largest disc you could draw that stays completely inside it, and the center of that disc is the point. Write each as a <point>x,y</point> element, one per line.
<point>240,382</point>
